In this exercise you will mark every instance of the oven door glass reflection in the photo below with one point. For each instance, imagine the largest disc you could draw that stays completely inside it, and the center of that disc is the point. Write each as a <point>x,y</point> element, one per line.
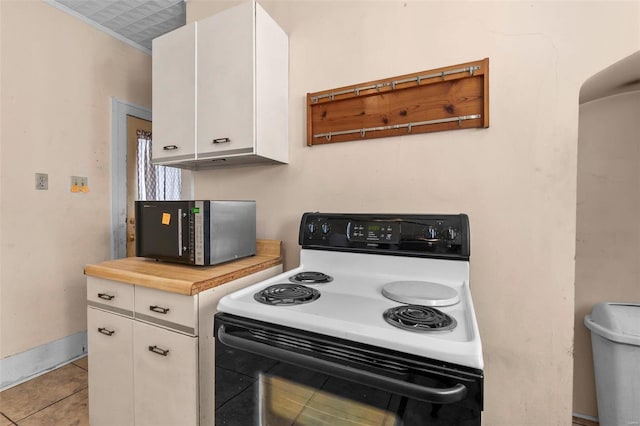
<point>284,403</point>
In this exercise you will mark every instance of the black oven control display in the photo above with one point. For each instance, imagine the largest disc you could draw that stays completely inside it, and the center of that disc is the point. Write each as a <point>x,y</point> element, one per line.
<point>413,235</point>
<point>375,232</point>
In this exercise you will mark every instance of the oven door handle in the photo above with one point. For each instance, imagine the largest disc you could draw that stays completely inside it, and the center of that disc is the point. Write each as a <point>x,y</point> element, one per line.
<point>449,395</point>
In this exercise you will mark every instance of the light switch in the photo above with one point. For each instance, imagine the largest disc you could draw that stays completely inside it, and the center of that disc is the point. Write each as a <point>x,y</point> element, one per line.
<point>79,184</point>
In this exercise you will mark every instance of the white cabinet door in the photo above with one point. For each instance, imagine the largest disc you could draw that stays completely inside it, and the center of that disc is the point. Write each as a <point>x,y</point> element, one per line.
<point>165,375</point>
<point>174,96</point>
<point>110,368</point>
<point>226,83</point>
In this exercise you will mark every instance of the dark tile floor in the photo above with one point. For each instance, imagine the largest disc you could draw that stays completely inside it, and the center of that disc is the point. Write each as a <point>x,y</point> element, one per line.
<point>60,397</point>
<point>583,422</point>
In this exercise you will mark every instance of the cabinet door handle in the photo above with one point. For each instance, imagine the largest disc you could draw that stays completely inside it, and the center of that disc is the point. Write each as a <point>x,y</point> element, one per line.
<point>106,331</point>
<point>159,351</point>
<point>170,147</point>
<point>106,296</point>
<point>159,309</point>
<point>221,140</point>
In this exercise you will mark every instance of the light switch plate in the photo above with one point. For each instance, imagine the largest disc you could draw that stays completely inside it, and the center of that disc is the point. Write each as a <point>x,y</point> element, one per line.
<point>79,184</point>
<point>42,181</point>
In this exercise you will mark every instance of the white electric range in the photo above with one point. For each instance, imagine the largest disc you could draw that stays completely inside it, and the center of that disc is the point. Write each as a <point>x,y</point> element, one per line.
<point>397,284</point>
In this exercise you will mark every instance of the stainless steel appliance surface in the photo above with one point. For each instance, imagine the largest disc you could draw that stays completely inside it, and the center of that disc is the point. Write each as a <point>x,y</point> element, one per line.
<point>195,232</point>
<point>376,326</point>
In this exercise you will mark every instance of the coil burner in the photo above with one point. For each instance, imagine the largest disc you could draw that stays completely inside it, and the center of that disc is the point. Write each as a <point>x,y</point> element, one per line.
<point>286,294</point>
<point>419,318</point>
<point>310,277</point>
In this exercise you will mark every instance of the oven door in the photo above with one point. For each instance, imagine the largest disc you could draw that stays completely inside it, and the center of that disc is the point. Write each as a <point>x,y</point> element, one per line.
<point>271,375</point>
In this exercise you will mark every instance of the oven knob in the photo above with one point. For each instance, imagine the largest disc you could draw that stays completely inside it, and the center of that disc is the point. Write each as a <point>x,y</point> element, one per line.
<point>325,228</point>
<point>311,227</point>
<point>431,232</point>
<point>452,233</point>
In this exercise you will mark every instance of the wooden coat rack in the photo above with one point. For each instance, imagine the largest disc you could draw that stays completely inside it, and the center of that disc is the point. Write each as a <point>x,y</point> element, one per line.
<point>449,98</point>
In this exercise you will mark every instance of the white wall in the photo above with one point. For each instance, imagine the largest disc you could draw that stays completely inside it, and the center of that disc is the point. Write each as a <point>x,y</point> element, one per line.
<point>58,77</point>
<point>608,230</point>
<point>1,174</point>
<point>516,180</point>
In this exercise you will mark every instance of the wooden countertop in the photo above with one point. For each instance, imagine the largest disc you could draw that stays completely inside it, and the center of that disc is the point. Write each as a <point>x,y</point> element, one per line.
<point>185,279</point>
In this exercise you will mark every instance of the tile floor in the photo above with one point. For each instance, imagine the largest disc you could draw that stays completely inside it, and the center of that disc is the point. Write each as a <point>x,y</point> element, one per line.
<point>60,397</point>
<point>583,422</point>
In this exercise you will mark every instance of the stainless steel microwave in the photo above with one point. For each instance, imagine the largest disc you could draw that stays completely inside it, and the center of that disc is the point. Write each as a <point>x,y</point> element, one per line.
<point>195,232</point>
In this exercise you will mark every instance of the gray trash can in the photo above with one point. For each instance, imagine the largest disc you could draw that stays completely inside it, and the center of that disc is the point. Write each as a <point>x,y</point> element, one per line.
<point>615,340</point>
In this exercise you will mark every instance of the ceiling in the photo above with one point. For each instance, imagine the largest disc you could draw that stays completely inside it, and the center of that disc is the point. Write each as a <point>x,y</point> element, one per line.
<point>135,22</point>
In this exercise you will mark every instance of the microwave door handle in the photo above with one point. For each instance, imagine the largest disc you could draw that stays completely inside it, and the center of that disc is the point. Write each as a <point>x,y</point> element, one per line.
<point>411,390</point>
<point>180,245</point>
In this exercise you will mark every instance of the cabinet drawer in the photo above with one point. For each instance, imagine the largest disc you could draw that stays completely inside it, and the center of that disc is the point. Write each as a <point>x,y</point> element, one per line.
<point>110,295</point>
<point>175,311</point>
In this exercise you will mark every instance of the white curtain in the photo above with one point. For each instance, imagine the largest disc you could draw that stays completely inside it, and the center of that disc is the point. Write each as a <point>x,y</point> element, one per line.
<point>155,182</point>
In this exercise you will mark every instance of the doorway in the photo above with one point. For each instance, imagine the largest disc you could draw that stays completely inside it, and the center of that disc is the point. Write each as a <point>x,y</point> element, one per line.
<point>134,124</point>
<point>608,204</point>
<point>120,113</point>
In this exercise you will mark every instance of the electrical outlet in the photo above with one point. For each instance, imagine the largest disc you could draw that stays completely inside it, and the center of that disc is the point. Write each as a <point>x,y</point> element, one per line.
<point>42,181</point>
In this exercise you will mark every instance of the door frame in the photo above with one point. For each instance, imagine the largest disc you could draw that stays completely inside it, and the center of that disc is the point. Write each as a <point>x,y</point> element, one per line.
<point>119,111</point>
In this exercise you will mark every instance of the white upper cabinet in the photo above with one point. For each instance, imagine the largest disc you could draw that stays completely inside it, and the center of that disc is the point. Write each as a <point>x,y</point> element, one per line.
<point>174,95</point>
<point>220,91</point>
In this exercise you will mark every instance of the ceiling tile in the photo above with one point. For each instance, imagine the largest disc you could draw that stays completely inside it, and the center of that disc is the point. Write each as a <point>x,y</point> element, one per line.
<point>139,21</point>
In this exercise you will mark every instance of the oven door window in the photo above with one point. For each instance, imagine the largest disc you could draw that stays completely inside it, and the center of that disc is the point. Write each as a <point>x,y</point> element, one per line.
<point>283,401</point>
<point>253,389</point>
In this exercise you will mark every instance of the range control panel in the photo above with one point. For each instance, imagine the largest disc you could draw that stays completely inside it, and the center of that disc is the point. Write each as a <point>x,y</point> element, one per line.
<point>377,232</point>
<point>412,235</point>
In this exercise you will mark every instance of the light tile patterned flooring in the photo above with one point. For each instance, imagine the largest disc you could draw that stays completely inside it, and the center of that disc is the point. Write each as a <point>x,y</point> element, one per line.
<point>60,397</point>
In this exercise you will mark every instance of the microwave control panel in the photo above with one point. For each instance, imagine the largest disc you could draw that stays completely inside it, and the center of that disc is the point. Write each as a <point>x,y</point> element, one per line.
<point>196,229</point>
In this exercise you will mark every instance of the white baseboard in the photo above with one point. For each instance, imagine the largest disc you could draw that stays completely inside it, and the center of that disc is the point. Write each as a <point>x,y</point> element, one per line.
<point>24,366</point>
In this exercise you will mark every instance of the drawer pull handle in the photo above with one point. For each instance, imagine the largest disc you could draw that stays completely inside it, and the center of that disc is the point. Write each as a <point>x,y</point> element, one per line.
<point>170,147</point>
<point>159,309</point>
<point>221,140</point>
<point>159,351</point>
<point>106,331</point>
<point>106,296</point>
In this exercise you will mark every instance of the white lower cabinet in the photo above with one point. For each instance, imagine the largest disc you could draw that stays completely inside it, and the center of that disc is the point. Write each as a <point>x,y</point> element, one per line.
<point>165,376</point>
<point>151,354</point>
<point>109,337</point>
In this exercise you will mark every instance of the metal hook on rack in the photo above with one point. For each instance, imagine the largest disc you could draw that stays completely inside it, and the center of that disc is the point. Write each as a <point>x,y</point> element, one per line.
<point>408,126</point>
